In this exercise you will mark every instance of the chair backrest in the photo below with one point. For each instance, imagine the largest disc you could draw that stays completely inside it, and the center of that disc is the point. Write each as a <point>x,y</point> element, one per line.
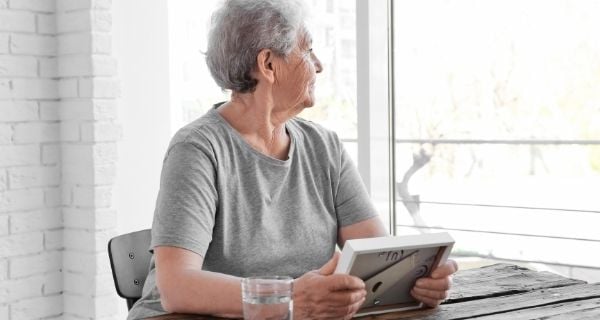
<point>130,263</point>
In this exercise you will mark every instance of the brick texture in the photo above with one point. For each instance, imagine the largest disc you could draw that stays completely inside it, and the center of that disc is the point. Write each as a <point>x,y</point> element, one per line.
<point>33,44</point>
<point>6,133</point>
<point>34,89</point>
<point>3,269</point>
<point>39,307</point>
<point>37,176</point>
<point>36,132</point>
<point>39,220</point>
<point>58,134</point>
<point>16,21</point>
<point>33,265</point>
<point>46,24</point>
<point>49,110</point>
<point>16,111</point>
<point>48,67</point>
<point>21,200</point>
<point>18,66</point>
<point>33,5</point>
<point>73,5</point>
<point>4,43</point>
<point>4,225</point>
<point>19,155</point>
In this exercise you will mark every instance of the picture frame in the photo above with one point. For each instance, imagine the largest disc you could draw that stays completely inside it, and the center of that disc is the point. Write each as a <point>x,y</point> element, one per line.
<point>391,265</point>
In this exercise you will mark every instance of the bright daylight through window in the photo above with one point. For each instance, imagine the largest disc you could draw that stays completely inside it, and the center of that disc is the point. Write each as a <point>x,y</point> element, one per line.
<point>497,124</point>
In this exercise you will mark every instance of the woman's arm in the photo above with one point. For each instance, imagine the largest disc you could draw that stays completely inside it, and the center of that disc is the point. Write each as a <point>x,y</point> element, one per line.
<point>370,228</point>
<point>185,288</point>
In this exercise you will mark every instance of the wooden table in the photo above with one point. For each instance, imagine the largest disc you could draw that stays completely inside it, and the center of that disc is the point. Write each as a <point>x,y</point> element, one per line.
<point>501,291</point>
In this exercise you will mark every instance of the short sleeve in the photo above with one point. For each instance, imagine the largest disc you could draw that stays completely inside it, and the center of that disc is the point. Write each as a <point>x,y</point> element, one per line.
<point>187,200</point>
<point>352,201</point>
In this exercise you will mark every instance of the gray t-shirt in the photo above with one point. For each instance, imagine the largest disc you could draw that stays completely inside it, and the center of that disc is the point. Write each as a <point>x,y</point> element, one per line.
<point>247,213</point>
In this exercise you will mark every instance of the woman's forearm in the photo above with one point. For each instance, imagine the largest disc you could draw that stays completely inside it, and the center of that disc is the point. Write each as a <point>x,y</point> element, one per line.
<point>200,292</point>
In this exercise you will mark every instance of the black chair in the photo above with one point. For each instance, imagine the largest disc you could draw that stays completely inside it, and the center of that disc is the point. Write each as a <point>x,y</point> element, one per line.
<point>130,263</point>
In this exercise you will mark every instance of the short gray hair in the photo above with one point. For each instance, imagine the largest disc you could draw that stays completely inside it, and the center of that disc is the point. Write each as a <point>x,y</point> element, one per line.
<point>241,28</point>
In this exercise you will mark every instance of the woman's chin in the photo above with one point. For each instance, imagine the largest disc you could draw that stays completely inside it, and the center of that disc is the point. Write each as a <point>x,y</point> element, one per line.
<point>309,104</point>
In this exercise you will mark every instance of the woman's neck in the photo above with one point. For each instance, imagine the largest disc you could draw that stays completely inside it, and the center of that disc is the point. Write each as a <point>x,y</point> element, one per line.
<point>259,123</point>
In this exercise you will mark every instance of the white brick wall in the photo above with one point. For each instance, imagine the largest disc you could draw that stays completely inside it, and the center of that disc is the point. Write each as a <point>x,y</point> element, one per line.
<point>73,5</point>
<point>50,154</point>
<point>38,264</point>
<point>46,24</point>
<point>36,132</point>
<point>39,45</point>
<point>18,155</point>
<point>17,66</point>
<point>67,88</point>
<point>33,5</point>
<point>3,269</point>
<point>6,132</point>
<point>49,110</point>
<point>38,220</point>
<point>3,43</point>
<point>16,111</point>
<point>58,136</point>
<point>37,176</point>
<point>16,21</point>
<point>36,308</point>
<point>33,89</point>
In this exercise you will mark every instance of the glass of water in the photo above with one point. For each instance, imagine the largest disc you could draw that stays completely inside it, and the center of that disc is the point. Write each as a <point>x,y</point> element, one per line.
<point>267,298</point>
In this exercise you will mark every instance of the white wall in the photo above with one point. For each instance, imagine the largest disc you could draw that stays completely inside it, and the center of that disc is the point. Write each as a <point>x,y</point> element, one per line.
<point>58,147</point>
<point>30,206</point>
<point>141,48</point>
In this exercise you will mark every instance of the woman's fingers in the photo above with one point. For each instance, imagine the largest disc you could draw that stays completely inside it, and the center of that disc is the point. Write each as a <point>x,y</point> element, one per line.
<point>340,282</point>
<point>431,302</point>
<point>448,268</point>
<point>442,284</point>
<point>431,294</point>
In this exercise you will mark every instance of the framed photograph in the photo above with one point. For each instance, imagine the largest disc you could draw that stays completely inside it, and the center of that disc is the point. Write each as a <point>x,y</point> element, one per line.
<point>390,266</point>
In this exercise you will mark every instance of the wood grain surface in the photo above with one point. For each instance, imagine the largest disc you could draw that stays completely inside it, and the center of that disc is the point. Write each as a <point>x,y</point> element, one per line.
<point>500,292</point>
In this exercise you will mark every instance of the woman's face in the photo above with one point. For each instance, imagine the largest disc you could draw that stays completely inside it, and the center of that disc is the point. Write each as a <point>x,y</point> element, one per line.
<point>295,81</point>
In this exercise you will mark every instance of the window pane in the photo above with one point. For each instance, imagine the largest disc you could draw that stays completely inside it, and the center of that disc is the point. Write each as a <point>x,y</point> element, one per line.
<point>192,89</point>
<point>333,27</point>
<point>498,124</point>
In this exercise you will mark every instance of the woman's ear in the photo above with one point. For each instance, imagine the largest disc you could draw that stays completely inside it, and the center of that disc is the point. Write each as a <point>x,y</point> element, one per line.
<point>264,63</point>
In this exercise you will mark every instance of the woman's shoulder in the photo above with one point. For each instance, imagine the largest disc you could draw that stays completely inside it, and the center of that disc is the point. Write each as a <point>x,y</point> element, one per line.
<point>198,132</point>
<point>311,127</point>
<point>312,132</point>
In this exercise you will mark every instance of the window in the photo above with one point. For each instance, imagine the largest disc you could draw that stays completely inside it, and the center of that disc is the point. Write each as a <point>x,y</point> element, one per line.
<point>335,46</point>
<point>497,127</point>
<point>193,91</point>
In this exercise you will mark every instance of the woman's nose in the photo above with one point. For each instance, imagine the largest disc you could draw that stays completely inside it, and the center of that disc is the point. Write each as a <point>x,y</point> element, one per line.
<point>318,65</point>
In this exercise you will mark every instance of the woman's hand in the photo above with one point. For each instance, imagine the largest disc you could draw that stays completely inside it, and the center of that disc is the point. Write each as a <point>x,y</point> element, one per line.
<point>433,290</point>
<point>320,294</point>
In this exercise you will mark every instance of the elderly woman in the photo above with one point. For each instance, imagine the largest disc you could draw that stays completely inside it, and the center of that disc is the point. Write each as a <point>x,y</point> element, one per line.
<point>250,189</point>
